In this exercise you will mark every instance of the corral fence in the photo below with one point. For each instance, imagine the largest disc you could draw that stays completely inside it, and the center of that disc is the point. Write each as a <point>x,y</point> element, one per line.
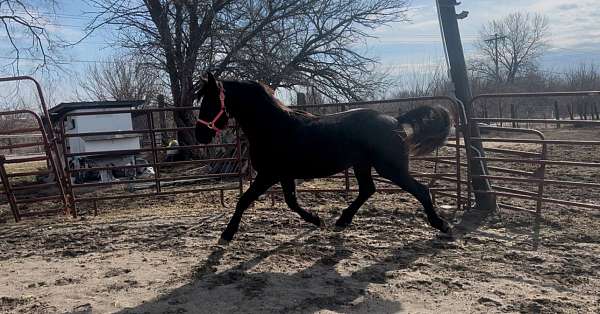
<point>170,178</point>
<point>524,164</point>
<point>152,173</point>
<point>517,151</point>
<point>17,188</point>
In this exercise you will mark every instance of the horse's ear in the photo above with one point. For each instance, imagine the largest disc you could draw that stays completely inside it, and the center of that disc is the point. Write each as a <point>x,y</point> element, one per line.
<point>199,87</point>
<point>211,81</point>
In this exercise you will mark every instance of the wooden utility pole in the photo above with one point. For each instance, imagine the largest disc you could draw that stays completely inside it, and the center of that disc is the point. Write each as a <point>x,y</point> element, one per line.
<point>458,71</point>
<point>495,39</point>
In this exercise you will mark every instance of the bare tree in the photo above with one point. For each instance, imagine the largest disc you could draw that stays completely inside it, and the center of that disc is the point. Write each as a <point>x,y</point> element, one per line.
<point>510,47</point>
<point>581,78</point>
<point>423,80</point>
<point>281,42</point>
<point>120,78</point>
<point>27,34</point>
<point>312,47</point>
<point>13,121</point>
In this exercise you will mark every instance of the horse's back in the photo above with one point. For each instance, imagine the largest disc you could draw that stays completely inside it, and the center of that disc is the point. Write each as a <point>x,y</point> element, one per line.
<point>357,127</point>
<point>325,145</point>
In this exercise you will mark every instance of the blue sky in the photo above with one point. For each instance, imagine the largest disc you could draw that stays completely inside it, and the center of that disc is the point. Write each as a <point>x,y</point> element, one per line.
<point>574,28</point>
<point>401,47</point>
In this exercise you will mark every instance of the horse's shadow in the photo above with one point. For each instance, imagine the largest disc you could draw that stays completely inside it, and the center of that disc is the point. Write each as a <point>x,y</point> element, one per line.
<point>319,286</point>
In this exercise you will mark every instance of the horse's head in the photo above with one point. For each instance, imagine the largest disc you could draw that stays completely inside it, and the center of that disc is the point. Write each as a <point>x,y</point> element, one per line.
<point>212,118</point>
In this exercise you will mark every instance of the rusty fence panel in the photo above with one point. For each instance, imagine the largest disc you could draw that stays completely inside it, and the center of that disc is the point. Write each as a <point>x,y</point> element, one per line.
<point>18,188</point>
<point>451,184</point>
<point>541,159</point>
<point>48,152</point>
<point>167,178</point>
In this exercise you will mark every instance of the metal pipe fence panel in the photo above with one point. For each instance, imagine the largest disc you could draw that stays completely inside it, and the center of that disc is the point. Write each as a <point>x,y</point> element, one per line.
<point>514,152</point>
<point>151,169</point>
<point>29,176</point>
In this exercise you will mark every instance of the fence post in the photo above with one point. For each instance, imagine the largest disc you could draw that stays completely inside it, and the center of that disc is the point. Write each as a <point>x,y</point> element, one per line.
<point>513,115</point>
<point>485,110</point>
<point>541,175</point>
<point>8,190</point>
<point>556,114</point>
<point>153,146</point>
<point>500,114</point>
<point>10,148</point>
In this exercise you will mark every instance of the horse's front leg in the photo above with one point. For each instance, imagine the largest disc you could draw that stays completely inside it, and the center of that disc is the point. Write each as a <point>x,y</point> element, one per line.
<point>260,185</point>
<point>289,192</point>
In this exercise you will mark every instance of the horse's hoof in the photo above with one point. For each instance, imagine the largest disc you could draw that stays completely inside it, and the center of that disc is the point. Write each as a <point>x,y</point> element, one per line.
<point>440,224</point>
<point>448,231</point>
<point>447,234</point>
<point>445,227</point>
<point>223,242</point>
<point>318,222</point>
<point>226,237</point>
<point>338,229</point>
<point>341,225</point>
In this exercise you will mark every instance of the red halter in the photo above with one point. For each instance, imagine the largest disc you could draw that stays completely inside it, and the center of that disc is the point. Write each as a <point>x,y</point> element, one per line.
<point>211,125</point>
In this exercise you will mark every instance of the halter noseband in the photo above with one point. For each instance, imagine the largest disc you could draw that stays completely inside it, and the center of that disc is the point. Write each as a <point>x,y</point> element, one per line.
<point>212,124</point>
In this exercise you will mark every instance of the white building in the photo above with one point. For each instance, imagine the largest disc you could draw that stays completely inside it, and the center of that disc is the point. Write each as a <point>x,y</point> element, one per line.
<point>101,122</point>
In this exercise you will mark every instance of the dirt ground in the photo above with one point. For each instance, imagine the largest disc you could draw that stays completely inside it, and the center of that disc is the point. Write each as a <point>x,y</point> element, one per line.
<point>160,256</point>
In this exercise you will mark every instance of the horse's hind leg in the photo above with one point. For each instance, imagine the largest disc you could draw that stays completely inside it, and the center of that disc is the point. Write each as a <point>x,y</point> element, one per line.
<point>366,188</point>
<point>399,174</point>
<point>259,186</point>
<point>289,192</point>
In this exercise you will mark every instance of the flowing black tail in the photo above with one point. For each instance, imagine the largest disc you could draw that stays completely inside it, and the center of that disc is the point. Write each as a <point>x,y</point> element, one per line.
<point>430,128</point>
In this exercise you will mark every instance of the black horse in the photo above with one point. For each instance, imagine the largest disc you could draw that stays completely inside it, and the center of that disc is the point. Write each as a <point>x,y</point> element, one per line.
<point>288,144</point>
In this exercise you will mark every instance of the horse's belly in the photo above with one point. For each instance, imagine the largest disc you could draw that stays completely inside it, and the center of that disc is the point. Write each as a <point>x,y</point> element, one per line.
<point>318,165</point>
<point>310,172</point>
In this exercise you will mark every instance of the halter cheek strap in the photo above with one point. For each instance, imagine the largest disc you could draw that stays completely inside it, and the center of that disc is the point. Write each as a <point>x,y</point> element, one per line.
<point>212,124</point>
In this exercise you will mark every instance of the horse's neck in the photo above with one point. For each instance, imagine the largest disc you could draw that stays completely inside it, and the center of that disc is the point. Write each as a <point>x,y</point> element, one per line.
<point>250,106</point>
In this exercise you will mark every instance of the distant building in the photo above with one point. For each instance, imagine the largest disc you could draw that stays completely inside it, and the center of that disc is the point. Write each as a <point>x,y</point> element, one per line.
<point>65,114</point>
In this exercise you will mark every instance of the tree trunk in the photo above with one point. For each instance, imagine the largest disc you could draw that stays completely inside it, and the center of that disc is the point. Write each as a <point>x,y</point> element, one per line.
<point>162,119</point>
<point>300,99</point>
<point>571,113</point>
<point>185,137</point>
